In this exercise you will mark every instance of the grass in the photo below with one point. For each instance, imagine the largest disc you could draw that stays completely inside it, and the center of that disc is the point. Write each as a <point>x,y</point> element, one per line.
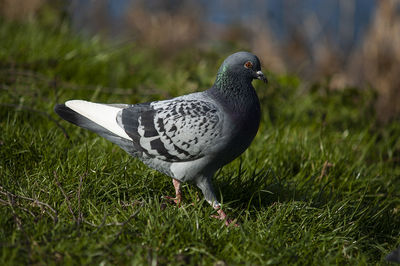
<point>319,184</point>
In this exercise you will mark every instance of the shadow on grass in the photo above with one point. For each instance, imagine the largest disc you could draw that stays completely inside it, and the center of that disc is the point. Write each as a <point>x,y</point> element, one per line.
<point>373,212</point>
<point>261,188</point>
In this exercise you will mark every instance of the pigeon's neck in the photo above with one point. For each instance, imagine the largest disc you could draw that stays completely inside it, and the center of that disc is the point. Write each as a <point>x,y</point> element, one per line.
<point>235,91</point>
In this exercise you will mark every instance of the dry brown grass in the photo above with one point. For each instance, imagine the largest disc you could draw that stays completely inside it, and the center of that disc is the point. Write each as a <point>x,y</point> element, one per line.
<point>20,10</point>
<point>168,30</point>
<point>380,58</point>
<point>376,62</point>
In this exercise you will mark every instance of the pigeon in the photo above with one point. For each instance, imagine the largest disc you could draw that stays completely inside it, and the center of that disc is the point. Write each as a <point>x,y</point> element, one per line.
<point>188,137</point>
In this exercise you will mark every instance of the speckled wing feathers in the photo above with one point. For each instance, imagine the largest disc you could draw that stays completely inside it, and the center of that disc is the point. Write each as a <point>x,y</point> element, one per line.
<point>172,130</point>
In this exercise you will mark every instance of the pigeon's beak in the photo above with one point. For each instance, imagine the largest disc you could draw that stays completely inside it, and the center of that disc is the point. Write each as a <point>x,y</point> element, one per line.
<point>261,76</point>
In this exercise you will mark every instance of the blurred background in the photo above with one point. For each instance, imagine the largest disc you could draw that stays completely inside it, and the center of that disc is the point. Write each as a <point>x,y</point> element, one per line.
<point>339,43</point>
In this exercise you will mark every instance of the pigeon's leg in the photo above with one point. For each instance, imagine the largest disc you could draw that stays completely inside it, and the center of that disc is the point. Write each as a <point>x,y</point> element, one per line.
<point>206,187</point>
<point>178,193</point>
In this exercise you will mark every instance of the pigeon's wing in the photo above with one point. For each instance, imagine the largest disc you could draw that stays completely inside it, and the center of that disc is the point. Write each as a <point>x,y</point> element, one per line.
<point>173,130</point>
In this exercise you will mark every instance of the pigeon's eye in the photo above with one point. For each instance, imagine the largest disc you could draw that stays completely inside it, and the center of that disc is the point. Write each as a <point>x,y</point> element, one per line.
<point>248,64</point>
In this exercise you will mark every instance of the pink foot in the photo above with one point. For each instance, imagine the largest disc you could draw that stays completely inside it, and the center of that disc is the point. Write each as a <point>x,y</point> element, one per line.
<point>223,216</point>
<point>175,201</point>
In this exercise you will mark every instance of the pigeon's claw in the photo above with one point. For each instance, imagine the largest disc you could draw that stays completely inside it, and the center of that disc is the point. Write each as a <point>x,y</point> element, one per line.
<point>172,200</point>
<point>222,216</point>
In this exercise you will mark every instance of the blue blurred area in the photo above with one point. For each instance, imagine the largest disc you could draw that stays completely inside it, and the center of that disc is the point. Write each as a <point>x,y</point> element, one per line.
<point>343,21</point>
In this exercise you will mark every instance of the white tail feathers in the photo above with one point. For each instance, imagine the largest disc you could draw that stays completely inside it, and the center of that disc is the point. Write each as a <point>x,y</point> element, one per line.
<point>101,114</point>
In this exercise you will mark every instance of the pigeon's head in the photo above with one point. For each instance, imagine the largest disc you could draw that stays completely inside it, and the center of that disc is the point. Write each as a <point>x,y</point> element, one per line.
<point>242,65</point>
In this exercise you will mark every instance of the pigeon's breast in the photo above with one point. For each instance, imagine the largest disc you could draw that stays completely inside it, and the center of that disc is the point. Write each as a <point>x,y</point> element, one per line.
<point>241,127</point>
<point>246,125</point>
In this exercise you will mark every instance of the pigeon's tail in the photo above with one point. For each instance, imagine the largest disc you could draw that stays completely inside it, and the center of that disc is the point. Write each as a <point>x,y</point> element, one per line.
<point>99,118</point>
